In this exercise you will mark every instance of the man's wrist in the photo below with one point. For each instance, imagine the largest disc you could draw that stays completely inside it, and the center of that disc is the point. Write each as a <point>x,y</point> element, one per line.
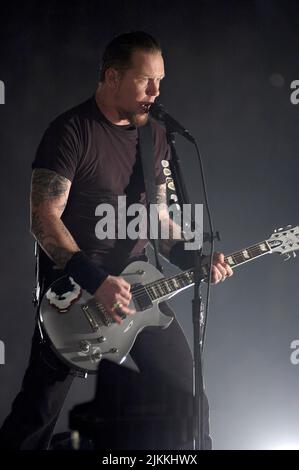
<point>85,272</point>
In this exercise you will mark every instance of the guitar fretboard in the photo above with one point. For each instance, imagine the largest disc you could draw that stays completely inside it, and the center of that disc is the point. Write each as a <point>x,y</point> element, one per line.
<point>162,287</point>
<point>248,254</point>
<point>166,286</point>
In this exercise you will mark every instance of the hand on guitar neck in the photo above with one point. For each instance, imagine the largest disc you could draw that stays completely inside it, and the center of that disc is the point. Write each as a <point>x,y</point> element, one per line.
<point>220,269</point>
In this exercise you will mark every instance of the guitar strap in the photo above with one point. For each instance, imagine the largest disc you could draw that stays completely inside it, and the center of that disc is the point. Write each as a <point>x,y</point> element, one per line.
<point>146,151</point>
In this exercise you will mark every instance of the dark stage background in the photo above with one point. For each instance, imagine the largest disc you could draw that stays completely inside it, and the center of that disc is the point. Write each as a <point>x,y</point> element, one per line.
<point>229,66</point>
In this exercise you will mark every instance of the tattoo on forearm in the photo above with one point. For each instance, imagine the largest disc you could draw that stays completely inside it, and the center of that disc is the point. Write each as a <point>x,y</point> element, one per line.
<point>161,194</point>
<point>37,226</point>
<point>174,230</point>
<point>48,241</point>
<point>58,254</point>
<point>49,193</point>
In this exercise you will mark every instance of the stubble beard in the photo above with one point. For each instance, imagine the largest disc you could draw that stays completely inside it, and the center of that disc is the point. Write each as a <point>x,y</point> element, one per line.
<point>135,119</point>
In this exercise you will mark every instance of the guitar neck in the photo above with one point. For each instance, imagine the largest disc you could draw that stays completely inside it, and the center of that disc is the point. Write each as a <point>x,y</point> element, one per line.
<point>158,289</point>
<point>248,254</point>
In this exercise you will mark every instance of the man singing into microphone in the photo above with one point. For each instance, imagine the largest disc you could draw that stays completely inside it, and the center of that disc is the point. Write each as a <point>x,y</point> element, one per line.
<point>89,156</point>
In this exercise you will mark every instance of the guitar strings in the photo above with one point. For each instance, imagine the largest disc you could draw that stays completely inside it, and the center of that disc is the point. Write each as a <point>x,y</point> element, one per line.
<point>254,251</point>
<point>137,293</point>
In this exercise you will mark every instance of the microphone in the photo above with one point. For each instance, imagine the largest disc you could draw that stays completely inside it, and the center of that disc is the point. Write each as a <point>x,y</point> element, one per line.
<point>157,110</point>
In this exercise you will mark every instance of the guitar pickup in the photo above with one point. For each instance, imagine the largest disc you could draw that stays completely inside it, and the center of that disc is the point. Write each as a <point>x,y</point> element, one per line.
<point>90,318</point>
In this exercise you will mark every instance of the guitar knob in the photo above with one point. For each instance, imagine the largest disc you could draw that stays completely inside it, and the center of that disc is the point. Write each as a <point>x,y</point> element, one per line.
<point>101,339</point>
<point>84,346</point>
<point>96,356</point>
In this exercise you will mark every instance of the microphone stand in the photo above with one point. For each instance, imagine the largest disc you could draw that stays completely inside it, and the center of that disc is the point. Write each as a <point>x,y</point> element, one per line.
<point>197,305</point>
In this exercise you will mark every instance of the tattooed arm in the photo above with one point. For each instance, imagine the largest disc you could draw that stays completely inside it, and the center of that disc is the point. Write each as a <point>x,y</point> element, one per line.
<point>167,224</point>
<point>49,194</point>
<point>220,269</point>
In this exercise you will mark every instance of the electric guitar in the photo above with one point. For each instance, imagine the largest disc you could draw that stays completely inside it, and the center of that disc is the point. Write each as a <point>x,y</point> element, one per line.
<point>81,331</point>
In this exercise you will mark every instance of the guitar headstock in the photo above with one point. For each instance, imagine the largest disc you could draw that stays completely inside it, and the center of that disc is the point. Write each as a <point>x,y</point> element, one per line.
<point>285,240</point>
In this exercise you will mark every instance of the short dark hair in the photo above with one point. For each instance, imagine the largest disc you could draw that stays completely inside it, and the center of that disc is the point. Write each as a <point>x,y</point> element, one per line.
<point>118,52</point>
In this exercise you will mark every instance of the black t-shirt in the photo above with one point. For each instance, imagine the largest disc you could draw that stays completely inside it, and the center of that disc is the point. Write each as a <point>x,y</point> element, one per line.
<point>102,162</point>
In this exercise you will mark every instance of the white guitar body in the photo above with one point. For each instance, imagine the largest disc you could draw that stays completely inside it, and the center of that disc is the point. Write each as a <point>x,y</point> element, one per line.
<point>81,331</point>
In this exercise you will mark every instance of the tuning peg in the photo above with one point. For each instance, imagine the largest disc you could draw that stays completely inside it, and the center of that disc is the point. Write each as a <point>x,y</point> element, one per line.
<point>288,255</point>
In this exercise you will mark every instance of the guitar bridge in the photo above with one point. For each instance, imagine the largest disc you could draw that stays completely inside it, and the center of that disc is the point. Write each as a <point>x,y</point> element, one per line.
<point>90,318</point>
<point>96,314</point>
